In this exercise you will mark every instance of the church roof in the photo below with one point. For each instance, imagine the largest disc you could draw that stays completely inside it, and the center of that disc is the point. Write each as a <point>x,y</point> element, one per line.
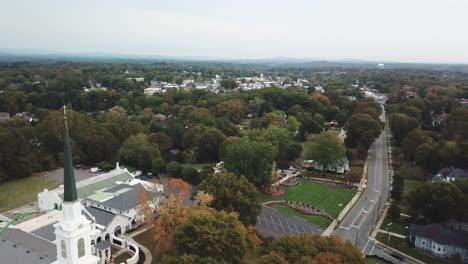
<point>104,244</point>
<point>90,189</point>
<point>17,246</point>
<point>102,217</point>
<point>124,200</point>
<point>46,232</point>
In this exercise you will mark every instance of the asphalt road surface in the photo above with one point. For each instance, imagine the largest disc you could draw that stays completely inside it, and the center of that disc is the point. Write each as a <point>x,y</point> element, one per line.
<point>357,225</point>
<point>271,222</point>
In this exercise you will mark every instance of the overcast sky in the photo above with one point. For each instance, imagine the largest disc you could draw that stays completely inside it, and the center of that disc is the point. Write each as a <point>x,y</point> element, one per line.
<point>395,30</point>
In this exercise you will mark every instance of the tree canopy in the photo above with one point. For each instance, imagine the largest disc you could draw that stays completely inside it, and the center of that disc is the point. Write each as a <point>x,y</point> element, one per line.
<point>325,148</point>
<point>252,159</point>
<point>305,248</point>
<point>233,193</point>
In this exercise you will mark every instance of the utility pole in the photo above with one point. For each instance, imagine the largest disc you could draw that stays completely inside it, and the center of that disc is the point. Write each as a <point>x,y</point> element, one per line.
<point>357,235</point>
<point>378,207</point>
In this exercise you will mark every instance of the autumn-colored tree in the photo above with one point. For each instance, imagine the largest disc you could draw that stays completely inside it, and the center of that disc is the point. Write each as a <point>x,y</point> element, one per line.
<point>213,234</point>
<point>171,213</point>
<point>273,258</point>
<point>322,98</point>
<point>304,248</point>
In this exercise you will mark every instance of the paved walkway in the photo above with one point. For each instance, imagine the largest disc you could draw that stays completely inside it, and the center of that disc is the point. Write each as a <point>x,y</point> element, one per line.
<point>148,255</point>
<point>391,233</point>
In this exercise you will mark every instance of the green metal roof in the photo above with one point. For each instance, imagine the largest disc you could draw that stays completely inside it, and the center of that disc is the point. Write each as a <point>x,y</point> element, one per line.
<point>90,189</point>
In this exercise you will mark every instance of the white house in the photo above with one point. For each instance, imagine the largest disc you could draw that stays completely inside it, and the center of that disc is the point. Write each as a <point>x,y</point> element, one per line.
<point>342,166</point>
<point>439,240</point>
<point>153,90</point>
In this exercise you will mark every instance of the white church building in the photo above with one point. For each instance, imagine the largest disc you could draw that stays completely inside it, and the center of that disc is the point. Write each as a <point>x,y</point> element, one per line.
<point>83,221</point>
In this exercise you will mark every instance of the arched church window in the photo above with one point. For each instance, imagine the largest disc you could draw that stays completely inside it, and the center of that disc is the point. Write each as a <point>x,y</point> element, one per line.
<point>81,247</point>
<point>64,249</point>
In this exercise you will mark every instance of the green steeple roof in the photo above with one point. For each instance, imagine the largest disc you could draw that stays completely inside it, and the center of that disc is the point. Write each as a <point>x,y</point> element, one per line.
<point>70,193</point>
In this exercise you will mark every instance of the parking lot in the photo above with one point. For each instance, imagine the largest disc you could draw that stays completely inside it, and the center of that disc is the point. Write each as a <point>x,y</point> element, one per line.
<point>271,222</point>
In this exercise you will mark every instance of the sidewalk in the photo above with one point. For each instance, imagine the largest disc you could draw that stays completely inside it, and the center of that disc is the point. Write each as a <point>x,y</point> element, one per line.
<point>391,233</point>
<point>407,257</point>
<point>148,255</point>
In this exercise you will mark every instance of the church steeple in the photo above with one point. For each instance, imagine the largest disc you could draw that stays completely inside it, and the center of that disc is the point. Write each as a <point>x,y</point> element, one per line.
<point>70,193</point>
<point>73,232</point>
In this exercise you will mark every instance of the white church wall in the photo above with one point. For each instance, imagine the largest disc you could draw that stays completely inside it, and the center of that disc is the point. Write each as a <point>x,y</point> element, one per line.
<point>48,200</point>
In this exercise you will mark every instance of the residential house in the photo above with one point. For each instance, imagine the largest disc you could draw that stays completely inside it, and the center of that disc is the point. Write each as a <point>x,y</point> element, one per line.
<point>152,90</point>
<point>438,119</point>
<point>439,240</point>
<point>463,101</point>
<point>4,116</point>
<point>450,175</point>
<point>342,166</point>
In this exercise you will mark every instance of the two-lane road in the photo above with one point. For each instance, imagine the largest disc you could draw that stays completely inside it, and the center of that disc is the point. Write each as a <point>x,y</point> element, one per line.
<point>357,225</point>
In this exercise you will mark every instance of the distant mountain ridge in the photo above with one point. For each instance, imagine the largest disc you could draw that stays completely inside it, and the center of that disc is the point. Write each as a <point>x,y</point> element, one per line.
<point>12,55</point>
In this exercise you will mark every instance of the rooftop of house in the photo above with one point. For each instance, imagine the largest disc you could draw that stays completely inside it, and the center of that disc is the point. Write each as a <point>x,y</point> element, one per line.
<point>458,173</point>
<point>455,173</point>
<point>17,246</point>
<point>440,234</point>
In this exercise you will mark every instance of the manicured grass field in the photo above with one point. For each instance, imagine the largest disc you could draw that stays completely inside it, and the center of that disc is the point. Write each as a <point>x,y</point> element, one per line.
<point>320,220</point>
<point>401,245</point>
<point>200,166</point>
<point>318,195</point>
<point>19,192</point>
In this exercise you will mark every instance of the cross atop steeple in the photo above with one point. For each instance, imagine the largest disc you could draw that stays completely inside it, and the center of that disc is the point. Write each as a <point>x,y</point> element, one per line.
<point>69,184</point>
<point>64,111</point>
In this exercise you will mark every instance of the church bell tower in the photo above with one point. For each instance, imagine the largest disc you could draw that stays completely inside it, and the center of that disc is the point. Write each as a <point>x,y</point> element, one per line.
<point>73,232</point>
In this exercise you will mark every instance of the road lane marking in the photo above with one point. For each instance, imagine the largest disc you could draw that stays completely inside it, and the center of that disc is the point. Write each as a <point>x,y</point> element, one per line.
<point>296,228</point>
<point>279,220</point>
<point>290,230</point>
<point>273,223</point>
<point>365,246</point>
<point>264,217</point>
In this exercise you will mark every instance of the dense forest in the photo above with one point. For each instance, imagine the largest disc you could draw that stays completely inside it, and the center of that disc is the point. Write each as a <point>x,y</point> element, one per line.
<point>195,126</point>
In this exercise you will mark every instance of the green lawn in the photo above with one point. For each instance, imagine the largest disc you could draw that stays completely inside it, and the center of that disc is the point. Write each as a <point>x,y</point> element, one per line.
<point>200,166</point>
<point>396,227</point>
<point>320,220</point>
<point>372,260</point>
<point>409,185</point>
<point>20,192</point>
<point>317,195</point>
<point>401,245</point>
<point>122,258</point>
